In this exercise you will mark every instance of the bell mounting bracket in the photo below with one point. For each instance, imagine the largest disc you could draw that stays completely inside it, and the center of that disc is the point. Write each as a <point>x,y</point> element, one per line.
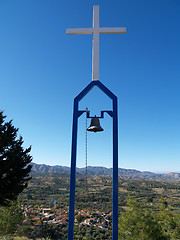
<point>88,113</point>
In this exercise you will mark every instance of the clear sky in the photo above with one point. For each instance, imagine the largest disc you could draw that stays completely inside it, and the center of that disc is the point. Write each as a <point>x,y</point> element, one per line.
<point>42,70</point>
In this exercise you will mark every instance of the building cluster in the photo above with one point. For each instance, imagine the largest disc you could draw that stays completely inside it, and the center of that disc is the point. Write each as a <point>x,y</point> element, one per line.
<point>95,218</point>
<point>36,216</point>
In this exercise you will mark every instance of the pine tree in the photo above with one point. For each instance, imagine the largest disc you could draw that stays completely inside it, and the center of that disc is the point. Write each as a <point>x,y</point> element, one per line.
<point>169,223</point>
<point>10,218</point>
<point>138,223</point>
<point>14,162</point>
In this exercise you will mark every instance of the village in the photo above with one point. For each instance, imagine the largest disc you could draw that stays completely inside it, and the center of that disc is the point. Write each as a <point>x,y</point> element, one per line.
<point>37,216</point>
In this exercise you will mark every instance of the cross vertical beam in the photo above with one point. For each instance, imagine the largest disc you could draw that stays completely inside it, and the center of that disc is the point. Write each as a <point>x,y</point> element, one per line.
<point>95,54</point>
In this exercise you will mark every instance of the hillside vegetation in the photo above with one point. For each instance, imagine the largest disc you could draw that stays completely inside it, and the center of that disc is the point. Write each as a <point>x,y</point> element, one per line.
<point>142,203</point>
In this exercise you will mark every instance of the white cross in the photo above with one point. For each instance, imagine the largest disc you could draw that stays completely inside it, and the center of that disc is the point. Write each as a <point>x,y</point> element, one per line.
<point>96,30</point>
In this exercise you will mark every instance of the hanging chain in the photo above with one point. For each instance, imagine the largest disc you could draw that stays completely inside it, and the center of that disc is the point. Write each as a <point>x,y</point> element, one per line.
<point>86,150</point>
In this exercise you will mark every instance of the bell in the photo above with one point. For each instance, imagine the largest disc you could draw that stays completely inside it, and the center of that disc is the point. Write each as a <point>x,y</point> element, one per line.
<point>95,125</point>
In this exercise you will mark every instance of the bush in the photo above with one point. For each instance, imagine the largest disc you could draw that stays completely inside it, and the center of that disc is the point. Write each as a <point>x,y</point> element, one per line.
<point>10,218</point>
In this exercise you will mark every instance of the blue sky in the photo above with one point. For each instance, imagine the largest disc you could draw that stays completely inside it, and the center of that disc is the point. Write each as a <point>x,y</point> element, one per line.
<point>42,70</point>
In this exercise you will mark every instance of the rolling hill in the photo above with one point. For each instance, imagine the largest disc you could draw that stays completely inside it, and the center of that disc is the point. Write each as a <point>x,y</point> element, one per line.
<point>103,171</point>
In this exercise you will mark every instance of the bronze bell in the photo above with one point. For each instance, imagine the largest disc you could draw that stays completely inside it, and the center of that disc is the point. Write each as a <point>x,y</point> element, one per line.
<point>95,125</point>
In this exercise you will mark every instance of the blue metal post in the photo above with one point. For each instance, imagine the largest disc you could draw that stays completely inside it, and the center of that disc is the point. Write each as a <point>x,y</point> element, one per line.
<point>76,115</point>
<point>115,171</point>
<point>73,173</point>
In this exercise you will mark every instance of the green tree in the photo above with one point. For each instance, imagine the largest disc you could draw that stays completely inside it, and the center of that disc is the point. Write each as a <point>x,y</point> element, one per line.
<point>169,224</point>
<point>10,218</point>
<point>14,162</point>
<point>138,223</point>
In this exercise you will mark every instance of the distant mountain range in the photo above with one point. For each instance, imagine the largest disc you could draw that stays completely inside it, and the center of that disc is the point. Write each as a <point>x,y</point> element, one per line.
<point>103,171</point>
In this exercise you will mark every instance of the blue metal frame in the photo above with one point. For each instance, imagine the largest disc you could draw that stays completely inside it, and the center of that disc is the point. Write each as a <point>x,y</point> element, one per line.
<point>76,115</point>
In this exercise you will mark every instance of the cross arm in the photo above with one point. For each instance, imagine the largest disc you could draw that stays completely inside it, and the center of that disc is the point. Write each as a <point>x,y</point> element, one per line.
<point>71,31</point>
<point>112,30</point>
